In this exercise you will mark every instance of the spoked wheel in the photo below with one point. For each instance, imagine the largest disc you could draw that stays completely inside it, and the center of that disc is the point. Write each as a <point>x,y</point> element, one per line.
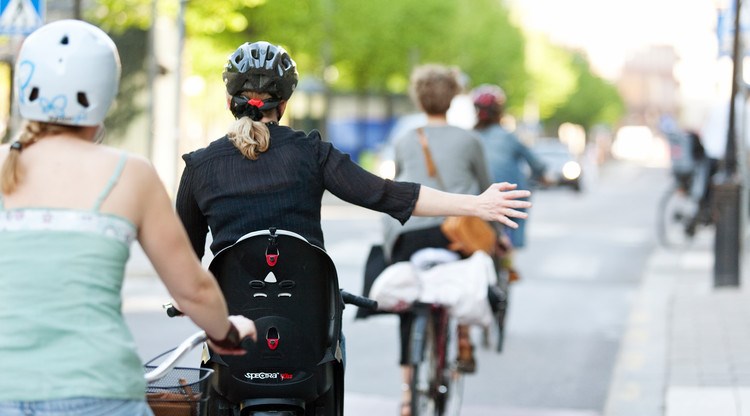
<point>453,397</point>
<point>452,388</point>
<point>424,379</point>
<point>676,222</point>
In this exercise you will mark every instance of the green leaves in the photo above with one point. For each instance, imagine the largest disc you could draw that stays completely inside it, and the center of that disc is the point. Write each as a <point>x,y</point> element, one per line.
<point>373,45</point>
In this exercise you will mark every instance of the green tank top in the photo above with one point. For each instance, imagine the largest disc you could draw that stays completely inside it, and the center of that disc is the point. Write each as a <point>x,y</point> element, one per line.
<point>62,333</point>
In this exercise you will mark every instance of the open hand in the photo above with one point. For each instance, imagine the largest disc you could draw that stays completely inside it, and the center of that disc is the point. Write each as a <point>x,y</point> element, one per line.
<point>501,201</point>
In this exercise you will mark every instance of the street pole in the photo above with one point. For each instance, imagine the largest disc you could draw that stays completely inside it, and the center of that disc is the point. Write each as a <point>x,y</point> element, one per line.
<point>153,63</point>
<point>728,189</point>
<point>178,91</point>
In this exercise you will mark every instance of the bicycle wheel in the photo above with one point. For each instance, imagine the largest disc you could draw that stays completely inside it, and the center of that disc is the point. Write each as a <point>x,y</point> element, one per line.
<point>451,389</point>
<point>424,378</point>
<point>676,218</point>
<point>453,398</point>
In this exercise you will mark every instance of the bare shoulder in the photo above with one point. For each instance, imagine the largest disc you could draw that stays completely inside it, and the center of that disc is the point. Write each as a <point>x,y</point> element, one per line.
<point>139,175</point>
<point>140,164</point>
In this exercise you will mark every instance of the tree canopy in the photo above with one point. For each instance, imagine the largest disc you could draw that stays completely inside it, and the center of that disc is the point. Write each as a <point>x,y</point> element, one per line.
<point>372,46</point>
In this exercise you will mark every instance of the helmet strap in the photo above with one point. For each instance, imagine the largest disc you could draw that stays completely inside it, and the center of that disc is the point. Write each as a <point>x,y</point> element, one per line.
<point>101,132</point>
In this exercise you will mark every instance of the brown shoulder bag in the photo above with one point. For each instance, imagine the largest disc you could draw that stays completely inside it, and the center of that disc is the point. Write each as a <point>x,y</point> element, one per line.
<point>467,234</point>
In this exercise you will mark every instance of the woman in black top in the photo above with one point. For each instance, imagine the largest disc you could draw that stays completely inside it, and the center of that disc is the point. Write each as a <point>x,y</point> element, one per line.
<point>262,174</point>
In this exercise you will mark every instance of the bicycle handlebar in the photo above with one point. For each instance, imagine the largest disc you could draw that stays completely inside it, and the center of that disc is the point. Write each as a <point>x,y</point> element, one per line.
<point>360,301</point>
<point>171,310</point>
<point>170,362</point>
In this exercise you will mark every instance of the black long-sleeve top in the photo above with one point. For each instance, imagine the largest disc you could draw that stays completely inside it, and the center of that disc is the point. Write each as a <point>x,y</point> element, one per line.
<point>222,190</point>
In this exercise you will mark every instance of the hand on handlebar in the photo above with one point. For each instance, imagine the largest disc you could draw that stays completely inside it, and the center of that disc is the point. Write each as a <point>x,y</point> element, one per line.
<point>245,328</point>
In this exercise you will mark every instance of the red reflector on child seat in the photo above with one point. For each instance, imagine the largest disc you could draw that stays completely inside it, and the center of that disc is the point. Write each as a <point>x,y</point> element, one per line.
<point>271,259</point>
<point>272,343</point>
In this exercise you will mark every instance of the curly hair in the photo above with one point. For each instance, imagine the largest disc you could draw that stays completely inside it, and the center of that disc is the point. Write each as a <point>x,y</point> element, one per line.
<point>433,86</point>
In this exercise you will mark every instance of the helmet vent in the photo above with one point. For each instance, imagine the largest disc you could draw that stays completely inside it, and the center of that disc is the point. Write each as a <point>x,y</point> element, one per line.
<point>34,94</point>
<point>254,53</point>
<point>64,40</point>
<point>82,100</point>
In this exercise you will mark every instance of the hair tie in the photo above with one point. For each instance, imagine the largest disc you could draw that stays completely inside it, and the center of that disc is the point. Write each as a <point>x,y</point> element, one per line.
<point>253,108</point>
<point>16,145</point>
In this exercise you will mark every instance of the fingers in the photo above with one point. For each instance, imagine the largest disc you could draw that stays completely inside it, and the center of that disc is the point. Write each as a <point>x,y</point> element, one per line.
<point>245,327</point>
<point>516,204</point>
<point>508,213</point>
<point>515,214</point>
<point>504,186</point>
<point>226,351</point>
<point>516,194</point>
<point>508,222</point>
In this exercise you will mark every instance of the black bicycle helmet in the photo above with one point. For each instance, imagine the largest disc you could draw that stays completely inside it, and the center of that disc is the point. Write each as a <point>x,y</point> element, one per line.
<point>261,67</point>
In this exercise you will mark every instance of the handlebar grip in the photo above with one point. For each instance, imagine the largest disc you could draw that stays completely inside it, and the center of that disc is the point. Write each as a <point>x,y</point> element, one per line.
<point>360,301</point>
<point>172,311</point>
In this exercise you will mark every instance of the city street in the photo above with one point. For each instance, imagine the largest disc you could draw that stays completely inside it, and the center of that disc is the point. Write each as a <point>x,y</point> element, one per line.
<point>582,266</point>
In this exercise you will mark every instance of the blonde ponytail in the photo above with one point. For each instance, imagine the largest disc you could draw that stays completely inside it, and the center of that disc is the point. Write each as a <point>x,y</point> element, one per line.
<point>12,174</point>
<point>250,137</point>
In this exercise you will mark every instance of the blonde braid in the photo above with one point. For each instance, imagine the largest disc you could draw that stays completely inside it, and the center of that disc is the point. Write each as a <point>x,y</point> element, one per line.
<point>12,173</point>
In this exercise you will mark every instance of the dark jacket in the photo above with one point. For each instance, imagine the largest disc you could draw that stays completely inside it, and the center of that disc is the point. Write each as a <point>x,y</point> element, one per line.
<point>283,188</point>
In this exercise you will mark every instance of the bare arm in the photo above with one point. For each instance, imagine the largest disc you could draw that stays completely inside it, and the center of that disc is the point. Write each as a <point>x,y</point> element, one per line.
<point>497,203</point>
<point>166,244</point>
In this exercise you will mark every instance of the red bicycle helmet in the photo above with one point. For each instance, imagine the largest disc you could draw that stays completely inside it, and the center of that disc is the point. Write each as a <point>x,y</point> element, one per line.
<point>488,101</point>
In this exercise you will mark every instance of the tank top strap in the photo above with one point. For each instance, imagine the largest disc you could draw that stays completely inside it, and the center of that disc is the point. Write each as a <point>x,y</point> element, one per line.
<point>111,183</point>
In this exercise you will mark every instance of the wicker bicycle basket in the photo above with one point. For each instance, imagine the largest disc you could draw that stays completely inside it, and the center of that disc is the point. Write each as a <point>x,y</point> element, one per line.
<point>182,392</point>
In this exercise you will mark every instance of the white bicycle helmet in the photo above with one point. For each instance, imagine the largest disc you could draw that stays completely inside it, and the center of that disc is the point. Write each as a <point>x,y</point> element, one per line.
<point>67,72</point>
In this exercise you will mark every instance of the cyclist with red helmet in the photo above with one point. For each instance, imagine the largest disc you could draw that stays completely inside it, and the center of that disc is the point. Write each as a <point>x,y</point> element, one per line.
<point>505,153</point>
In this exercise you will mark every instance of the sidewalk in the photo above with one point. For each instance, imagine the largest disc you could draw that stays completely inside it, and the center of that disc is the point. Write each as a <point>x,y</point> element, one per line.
<point>686,350</point>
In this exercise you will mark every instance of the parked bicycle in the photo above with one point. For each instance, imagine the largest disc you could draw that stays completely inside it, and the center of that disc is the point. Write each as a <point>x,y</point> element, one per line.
<point>684,208</point>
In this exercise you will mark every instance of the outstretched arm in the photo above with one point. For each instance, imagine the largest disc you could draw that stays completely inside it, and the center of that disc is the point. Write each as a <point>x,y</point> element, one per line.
<point>498,203</point>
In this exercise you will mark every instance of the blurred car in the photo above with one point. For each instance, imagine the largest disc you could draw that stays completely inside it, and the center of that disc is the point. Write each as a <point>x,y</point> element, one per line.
<point>562,167</point>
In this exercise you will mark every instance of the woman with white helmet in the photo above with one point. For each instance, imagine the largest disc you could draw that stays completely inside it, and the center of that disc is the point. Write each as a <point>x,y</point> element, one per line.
<point>69,210</point>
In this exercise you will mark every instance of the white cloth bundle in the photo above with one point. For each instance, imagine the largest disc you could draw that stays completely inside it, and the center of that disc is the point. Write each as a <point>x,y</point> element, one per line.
<point>459,284</point>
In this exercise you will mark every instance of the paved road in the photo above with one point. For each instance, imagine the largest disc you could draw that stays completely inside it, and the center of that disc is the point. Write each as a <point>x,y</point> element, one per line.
<point>580,271</point>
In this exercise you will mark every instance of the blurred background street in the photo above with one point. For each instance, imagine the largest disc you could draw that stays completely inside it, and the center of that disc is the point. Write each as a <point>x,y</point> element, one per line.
<point>607,319</point>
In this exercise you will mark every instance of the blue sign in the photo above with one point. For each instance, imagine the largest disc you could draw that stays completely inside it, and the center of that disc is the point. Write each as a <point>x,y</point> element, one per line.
<point>21,17</point>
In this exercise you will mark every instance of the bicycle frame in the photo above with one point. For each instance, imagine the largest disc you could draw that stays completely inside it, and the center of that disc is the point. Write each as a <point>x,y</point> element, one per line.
<point>170,362</point>
<point>434,381</point>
